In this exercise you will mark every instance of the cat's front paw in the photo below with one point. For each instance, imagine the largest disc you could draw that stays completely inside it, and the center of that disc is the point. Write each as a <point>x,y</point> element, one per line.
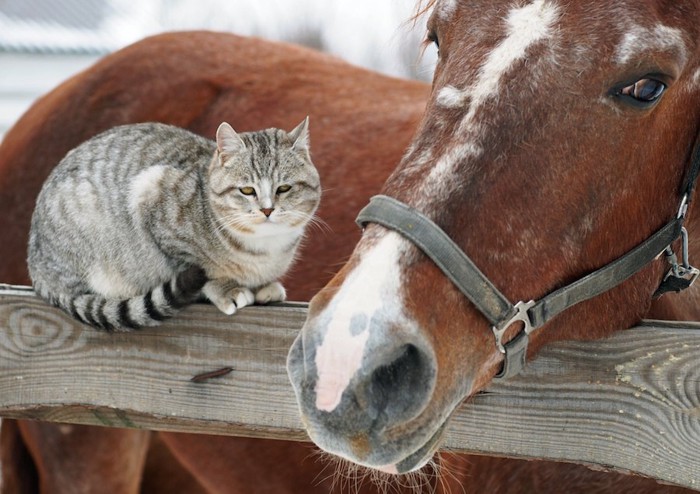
<point>228,299</point>
<point>274,292</point>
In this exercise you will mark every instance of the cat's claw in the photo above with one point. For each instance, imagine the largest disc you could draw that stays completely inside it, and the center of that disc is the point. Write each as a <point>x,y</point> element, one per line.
<point>274,292</point>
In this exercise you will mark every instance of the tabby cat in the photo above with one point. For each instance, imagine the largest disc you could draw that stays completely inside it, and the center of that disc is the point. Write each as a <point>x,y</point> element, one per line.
<point>143,219</point>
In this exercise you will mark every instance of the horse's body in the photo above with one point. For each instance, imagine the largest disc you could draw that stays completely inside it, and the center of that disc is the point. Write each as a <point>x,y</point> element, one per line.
<point>360,126</point>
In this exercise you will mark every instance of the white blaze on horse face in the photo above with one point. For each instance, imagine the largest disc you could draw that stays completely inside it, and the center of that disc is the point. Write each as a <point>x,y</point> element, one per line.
<point>639,40</point>
<point>374,281</point>
<point>525,26</point>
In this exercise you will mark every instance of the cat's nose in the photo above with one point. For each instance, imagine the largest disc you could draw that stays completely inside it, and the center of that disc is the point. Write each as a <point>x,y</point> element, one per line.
<point>267,211</point>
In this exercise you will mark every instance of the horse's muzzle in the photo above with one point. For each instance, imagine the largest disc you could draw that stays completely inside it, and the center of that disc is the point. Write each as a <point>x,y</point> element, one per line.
<point>365,401</point>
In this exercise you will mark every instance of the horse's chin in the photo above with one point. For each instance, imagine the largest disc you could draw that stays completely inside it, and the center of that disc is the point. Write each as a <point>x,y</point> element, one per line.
<point>419,458</point>
<point>415,460</point>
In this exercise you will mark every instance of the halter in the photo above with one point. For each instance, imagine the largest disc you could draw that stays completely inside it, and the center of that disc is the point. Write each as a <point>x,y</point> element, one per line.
<point>498,310</point>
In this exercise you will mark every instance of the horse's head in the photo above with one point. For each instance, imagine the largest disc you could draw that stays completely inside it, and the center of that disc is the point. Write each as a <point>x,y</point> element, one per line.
<point>556,139</point>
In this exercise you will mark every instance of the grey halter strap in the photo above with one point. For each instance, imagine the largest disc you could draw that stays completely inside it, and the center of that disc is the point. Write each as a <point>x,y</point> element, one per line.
<point>498,310</point>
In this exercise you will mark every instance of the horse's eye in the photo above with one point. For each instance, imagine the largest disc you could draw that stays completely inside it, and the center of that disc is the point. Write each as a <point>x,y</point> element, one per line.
<point>283,188</point>
<point>247,191</point>
<point>644,91</point>
<point>432,37</point>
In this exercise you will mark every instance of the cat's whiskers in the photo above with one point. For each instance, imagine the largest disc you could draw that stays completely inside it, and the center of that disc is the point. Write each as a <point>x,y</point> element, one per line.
<point>310,219</point>
<point>232,221</point>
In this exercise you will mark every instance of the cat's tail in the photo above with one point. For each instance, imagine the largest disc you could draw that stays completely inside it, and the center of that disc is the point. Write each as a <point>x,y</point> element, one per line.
<point>150,309</point>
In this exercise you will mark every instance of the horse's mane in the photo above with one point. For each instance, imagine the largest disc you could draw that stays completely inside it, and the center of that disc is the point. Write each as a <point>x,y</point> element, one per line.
<point>422,7</point>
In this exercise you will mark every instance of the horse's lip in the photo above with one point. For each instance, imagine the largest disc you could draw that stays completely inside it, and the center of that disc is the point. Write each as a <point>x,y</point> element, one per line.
<point>422,455</point>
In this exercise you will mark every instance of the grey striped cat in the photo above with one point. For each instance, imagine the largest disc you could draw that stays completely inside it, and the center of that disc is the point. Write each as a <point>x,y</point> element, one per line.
<point>142,219</point>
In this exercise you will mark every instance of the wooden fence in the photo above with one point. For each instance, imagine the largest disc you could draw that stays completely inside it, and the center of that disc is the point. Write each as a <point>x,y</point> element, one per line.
<point>629,403</point>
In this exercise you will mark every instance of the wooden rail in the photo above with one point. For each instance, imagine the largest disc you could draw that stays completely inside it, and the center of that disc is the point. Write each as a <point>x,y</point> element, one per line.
<point>631,402</point>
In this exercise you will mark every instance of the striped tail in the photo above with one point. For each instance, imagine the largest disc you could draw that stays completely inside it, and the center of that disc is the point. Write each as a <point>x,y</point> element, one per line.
<point>144,310</point>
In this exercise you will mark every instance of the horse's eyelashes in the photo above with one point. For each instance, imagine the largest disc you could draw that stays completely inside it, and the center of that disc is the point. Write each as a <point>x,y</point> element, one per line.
<point>432,37</point>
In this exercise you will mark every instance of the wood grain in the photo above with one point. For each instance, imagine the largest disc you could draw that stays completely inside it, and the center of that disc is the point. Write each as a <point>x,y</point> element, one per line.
<point>629,403</point>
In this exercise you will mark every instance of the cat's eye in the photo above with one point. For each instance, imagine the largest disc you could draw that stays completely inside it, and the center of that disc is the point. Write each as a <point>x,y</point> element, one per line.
<point>247,191</point>
<point>283,188</point>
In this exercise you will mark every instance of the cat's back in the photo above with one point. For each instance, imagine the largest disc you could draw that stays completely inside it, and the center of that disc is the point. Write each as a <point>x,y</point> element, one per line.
<point>85,211</point>
<point>94,181</point>
<point>122,151</point>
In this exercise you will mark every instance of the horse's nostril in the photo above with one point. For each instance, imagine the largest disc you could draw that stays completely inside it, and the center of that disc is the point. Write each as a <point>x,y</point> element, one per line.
<point>399,389</point>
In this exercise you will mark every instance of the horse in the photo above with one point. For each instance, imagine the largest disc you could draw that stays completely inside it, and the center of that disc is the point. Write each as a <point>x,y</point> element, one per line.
<point>558,138</point>
<point>365,123</point>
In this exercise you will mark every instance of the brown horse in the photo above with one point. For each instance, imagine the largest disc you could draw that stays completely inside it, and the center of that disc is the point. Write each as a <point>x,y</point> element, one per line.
<point>361,122</point>
<point>557,138</point>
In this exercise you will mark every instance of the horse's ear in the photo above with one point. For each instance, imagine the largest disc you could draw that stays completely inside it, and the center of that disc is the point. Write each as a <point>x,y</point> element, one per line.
<point>300,136</point>
<point>228,142</point>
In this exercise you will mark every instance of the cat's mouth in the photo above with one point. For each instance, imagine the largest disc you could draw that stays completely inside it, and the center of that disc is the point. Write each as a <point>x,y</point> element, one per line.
<point>266,220</point>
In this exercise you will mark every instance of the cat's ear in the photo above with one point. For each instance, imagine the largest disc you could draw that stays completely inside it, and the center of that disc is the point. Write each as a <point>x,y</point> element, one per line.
<point>300,136</point>
<point>227,141</point>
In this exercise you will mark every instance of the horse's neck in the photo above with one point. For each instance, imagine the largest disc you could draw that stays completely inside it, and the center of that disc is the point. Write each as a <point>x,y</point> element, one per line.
<point>684,306</point>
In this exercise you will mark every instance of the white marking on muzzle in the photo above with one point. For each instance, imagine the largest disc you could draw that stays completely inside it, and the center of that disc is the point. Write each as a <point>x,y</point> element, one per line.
<point>371,285</point>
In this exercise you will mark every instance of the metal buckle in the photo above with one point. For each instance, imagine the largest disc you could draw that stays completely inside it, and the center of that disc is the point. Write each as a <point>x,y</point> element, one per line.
<point>691,275</point>
<point>520,315</point>
<point>684,270</point>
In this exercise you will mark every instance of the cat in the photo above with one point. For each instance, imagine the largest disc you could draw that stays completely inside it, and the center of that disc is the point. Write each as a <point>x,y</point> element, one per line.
<point>144,219</point>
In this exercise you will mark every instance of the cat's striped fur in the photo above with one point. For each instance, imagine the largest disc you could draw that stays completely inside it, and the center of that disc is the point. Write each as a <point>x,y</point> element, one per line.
<point>139,220</point>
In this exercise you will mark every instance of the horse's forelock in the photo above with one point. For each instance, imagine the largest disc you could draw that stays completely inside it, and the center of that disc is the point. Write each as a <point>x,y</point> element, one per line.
<point>422,8</point>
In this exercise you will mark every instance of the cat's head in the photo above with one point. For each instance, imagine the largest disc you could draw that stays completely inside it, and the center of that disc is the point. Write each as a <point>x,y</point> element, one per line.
<point>263,183</point>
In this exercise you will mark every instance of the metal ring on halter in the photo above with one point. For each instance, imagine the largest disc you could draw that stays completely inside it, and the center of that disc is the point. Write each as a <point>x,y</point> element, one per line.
<point>521,315</point>
<point>684,270</point>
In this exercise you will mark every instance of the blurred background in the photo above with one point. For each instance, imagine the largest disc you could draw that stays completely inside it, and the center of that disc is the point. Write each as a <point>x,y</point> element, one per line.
<point>43,42</point>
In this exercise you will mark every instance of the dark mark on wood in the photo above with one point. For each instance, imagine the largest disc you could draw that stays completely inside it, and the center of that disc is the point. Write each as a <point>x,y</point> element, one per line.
<point>211,375</point>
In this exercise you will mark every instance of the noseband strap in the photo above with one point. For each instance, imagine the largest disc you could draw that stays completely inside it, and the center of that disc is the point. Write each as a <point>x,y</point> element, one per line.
<point>496,308</point>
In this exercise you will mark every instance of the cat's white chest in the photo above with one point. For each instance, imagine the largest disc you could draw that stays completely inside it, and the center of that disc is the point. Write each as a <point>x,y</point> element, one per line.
<point>274,244</point>
<point>263,258</point>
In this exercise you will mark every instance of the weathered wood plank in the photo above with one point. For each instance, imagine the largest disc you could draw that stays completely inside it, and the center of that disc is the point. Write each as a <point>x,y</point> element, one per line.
<point>53,368</point>
<point>631,402</point>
